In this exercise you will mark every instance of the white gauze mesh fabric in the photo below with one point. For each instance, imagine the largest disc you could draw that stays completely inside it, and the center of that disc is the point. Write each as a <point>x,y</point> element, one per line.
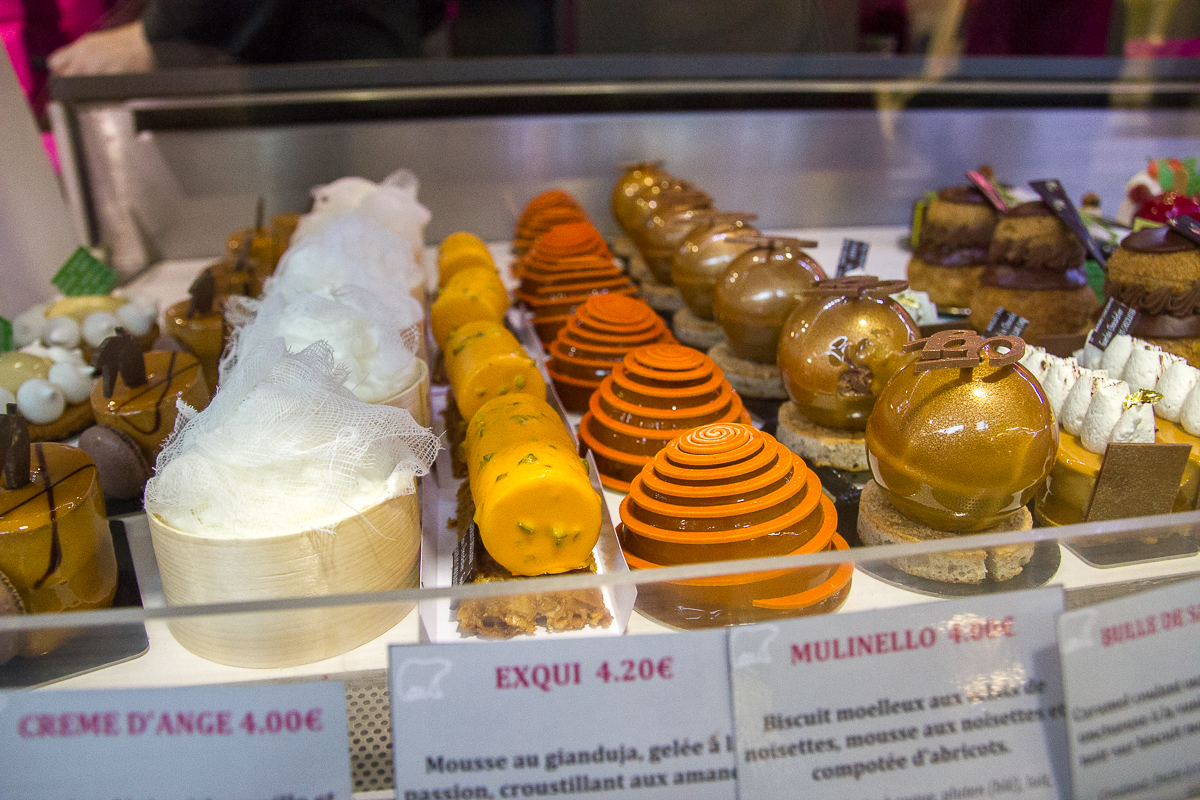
<point>350,249</point>
<point>379,357</point>
<point>283,447</point>
<point>392,204</point>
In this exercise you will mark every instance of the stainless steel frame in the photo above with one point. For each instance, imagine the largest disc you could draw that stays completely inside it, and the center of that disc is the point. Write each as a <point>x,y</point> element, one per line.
<point>163,166</point>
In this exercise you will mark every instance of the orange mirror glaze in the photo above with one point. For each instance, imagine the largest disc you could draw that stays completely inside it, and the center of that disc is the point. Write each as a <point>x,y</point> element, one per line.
<point>147,413</point>
<point>543,212</point>
<point>960,449</point>
<point>653,395</point>
<point>55,546</point>
<point>837,353</point>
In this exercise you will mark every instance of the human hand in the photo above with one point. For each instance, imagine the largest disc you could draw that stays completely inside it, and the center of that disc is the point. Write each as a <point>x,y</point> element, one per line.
<point>121,49</point>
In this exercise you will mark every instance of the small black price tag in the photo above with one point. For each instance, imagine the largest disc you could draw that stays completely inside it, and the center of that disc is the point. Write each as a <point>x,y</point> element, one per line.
<point>1055,196</point>
<point>6,335</point>
<point>1005,323</point>
<point>1116,318</point>
<point>1186,226</point>
<point>854,256</point>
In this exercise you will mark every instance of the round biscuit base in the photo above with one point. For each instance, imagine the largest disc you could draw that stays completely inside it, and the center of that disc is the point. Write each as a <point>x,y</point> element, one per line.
<point>946,286</point>
<point>749,378</point>
<point>695,332</point>
<point>880,523</point>
<point>820,446</point>
<point>663,299</point>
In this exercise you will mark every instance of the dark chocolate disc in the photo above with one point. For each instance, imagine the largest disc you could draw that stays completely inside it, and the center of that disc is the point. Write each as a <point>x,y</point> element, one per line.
<point>1157,240</point>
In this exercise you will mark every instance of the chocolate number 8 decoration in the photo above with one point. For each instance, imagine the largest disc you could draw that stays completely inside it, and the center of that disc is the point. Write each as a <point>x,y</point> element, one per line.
<point>963,349</point>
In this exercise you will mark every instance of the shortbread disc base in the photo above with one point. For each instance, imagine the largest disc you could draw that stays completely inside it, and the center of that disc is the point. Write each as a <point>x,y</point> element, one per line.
<point>880,523</point>
<point>818,445</point>
<point>689,329</point>
<point>749,378</point>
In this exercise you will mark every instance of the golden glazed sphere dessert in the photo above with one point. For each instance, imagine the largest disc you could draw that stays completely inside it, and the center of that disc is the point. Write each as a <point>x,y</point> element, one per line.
<point>957,441</point>
<point>841,345</point>
<point>759,289</point>
<point>705,254</point>
<point>637,178</point>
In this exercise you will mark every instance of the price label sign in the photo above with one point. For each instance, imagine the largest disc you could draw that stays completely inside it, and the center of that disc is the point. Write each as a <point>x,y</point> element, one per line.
<point>236,742</point>
<point>1006,323</point>
<point>642,714</point>
<point>955,699</point>
<point>853,257</point>
<point>1132,674</point>
<point>1115,319</point>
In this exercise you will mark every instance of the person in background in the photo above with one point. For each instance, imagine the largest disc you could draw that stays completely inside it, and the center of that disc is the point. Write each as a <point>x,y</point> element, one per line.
<point>179,33</point>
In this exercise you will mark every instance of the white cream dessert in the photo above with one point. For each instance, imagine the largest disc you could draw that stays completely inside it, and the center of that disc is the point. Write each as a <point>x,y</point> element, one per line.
<point>391,204</point>
<point>284,446</point>
<point>379,358</point>
<point>51,387</point>
<point>350,249</point>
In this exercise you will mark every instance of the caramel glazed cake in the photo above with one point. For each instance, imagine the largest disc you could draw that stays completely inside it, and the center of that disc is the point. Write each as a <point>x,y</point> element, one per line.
<point>510,615</point>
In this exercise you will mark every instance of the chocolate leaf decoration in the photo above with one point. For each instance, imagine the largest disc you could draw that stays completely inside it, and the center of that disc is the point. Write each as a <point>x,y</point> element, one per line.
<point>14,448</point>
<point>260,213</point>
<point>120,354</point>
<point>243,258</point>
<point>203,292</point>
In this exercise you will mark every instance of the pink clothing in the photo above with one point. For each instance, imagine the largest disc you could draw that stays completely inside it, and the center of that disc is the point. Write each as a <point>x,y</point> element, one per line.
<point>1168,48</point>
<point>33,29</point>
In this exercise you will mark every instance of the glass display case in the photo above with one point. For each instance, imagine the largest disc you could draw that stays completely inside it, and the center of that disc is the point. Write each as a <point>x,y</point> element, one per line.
<point>158,169</point>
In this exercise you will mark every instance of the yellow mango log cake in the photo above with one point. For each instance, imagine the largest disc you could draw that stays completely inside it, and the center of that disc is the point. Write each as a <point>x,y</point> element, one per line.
<point>534,505</point>
<point>461,250</point>
<point>484,361</point>
<point>474,293</point>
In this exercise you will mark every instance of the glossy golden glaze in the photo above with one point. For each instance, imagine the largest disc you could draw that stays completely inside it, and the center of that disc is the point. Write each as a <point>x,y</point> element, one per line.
<point>664,233</point>
<point>202,335</point>
<point>755,294</point>
<point>959,449</point>
<point>147,413</point>
<point>83,573</point>
<point>635,179</point>
<point>17,367</point>
<point>829,340</point>
<point>655,393</point>
<point>703,255</point>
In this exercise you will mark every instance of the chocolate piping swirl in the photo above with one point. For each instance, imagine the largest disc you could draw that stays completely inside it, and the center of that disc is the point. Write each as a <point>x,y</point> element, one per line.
<point>1162,300</point>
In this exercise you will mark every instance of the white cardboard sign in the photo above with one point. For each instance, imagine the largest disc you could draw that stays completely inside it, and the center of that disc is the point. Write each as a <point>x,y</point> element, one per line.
<point>231,742</point>
<point>956,699</point>
<point>647,714</point>
<point>1132,674</point>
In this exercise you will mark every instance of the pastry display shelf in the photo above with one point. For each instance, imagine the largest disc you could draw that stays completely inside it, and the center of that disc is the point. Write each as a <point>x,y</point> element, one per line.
<point>166,663</point>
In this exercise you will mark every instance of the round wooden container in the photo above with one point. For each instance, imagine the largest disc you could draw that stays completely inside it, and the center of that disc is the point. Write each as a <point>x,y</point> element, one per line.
<point>415,398</point>
<point>377,551</point>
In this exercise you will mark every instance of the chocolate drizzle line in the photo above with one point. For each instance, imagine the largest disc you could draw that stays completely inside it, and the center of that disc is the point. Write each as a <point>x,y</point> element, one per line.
<point>55,544</point>
<point>14,449</point>
<point>120,354</point>
<point>202,292</point>
<point>166,388</point>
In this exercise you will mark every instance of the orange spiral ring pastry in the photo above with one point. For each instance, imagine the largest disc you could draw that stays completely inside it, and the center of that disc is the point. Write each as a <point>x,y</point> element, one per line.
<point>656,392</point>
<point>543,212</point>
<point>729,491</point>
<point>596,337</point>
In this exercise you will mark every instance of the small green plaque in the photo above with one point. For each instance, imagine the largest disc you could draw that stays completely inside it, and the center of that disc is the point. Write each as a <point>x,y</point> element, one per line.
<point>1095,277</point>
<point>1139,223</point>
<point>6,342</point>
<point>918,217</point>
<point>84,274</point>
